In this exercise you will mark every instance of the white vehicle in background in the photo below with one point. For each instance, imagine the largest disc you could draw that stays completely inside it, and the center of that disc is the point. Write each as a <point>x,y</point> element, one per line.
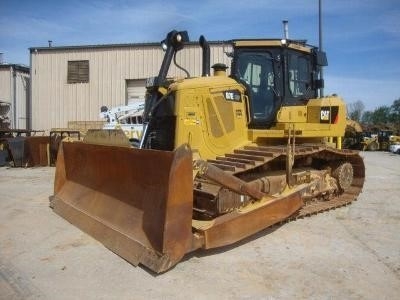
<point>395,148</point>
<point>125,117</point>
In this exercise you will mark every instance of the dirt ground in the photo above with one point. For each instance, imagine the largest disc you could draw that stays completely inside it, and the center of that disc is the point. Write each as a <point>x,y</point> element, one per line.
<point>348,253</point>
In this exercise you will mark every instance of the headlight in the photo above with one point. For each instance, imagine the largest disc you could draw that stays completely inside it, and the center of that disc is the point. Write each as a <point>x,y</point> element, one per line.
<point>164,45</point>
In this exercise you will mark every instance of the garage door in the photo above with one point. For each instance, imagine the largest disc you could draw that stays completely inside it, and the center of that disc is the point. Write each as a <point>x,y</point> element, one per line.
<point>135,90</point>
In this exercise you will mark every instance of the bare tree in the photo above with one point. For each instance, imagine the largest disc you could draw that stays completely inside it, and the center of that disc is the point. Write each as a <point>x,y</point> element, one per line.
<point>355,110</point>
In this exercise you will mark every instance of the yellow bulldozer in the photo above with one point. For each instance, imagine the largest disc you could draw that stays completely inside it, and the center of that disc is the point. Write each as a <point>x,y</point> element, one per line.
<point>380,141</point>
<point>221,157</point>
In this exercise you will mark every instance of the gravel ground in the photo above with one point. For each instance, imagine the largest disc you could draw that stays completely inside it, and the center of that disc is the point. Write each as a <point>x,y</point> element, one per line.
<point>348,253</point>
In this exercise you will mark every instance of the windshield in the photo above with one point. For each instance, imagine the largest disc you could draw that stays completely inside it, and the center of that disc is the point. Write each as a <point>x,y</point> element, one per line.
<point>256,70</point>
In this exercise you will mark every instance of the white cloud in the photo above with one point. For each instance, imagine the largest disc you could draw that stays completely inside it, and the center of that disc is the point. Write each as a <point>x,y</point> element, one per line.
<point>30,28</point>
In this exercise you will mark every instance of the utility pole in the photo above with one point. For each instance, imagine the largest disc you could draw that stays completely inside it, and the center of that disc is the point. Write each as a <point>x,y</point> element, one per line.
<point>321,71</point>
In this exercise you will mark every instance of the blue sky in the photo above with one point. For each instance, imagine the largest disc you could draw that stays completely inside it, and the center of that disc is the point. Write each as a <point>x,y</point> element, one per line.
<point>361,37</point>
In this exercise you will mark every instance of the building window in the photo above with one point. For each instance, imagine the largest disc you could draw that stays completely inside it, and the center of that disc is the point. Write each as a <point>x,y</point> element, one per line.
<point>78,71</point>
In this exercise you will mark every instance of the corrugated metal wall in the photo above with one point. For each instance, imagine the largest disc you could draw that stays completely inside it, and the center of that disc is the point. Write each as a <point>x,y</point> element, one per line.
<point>5,85</point>
<point>55,102</point>
<point>18,112</point>
<point>5,96</point>
<point>22,98</point>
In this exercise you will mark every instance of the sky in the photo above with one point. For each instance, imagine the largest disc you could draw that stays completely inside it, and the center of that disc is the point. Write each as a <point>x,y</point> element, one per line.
<point>361,37</point>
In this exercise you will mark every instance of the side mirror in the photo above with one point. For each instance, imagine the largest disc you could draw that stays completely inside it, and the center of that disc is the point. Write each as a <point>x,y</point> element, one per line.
<point>320,59</point>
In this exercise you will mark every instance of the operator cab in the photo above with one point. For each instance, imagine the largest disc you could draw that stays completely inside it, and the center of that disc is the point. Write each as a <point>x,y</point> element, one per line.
<point>276,73</point>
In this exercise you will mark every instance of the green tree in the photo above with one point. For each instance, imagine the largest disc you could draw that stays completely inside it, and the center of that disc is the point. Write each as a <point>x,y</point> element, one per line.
<point>395,115</point>
<point>395,111</point>
<point>381,115</point>
<point>367,117</point>
<point>396,106</point>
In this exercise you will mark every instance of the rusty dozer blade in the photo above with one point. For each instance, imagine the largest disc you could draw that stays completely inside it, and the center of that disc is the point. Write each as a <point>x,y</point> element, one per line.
<point>137,202</point>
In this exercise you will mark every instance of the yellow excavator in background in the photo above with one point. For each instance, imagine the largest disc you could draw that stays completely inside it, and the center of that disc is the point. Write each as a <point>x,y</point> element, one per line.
<point>221,157</point>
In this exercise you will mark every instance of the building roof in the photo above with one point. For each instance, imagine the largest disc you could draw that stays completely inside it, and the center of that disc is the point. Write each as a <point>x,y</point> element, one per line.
<point>17,67</point>
<point>302,43</point>
<point>105,46</point>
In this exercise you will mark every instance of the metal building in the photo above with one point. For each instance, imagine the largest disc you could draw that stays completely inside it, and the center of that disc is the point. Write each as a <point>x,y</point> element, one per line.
<point>70,84</point>
<point>14,95</point>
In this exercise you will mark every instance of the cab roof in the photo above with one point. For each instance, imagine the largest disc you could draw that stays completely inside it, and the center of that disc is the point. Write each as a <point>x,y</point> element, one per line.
<point>299,45</point>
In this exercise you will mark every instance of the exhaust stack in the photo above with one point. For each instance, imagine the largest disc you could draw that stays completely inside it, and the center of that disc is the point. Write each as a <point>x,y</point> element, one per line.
<point>206,56</point>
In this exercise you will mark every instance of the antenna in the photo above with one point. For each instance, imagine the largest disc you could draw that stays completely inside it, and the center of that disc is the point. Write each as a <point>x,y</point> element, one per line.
<point>285,29</point>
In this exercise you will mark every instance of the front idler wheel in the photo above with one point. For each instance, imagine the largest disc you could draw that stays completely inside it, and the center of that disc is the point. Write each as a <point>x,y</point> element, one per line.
<point>344,175</point>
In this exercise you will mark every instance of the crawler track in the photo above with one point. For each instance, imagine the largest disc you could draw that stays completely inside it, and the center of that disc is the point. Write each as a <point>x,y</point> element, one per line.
<point>244,161</point>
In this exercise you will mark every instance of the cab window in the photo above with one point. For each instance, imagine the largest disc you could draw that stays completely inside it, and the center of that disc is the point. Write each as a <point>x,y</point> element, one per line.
<point>256,70</point>
<point>299,75</point>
